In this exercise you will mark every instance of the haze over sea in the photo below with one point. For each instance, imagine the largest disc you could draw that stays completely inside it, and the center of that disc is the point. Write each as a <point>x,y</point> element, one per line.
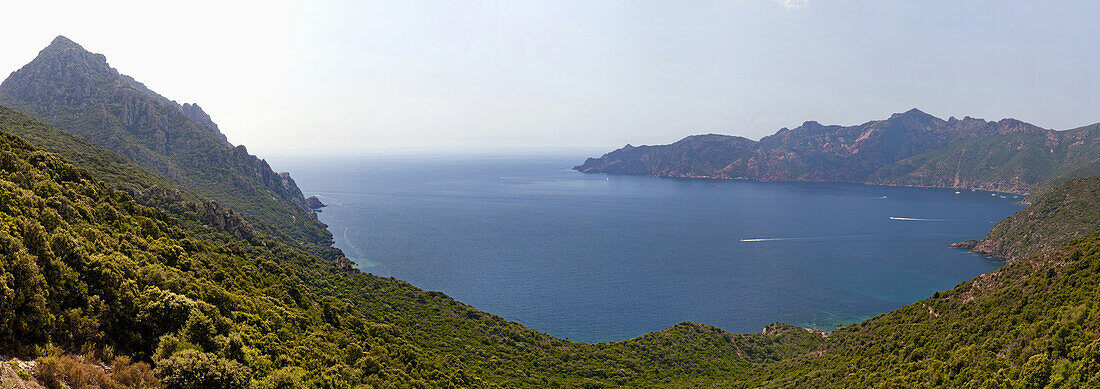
<point>604,258</point>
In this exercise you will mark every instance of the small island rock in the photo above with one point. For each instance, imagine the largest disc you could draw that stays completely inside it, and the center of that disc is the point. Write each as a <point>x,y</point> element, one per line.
<point>314,203</point>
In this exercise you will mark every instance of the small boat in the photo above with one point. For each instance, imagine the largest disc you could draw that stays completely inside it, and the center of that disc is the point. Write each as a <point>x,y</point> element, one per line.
<point>957,192</point>
<point>882,198</point>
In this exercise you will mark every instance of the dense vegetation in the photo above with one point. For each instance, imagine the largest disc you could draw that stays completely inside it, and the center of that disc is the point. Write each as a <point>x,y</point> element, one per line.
<point>907,149</point>
<point>76,91</point>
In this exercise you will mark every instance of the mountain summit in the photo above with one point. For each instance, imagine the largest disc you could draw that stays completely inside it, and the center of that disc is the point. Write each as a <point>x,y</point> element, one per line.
<point>77,91</point>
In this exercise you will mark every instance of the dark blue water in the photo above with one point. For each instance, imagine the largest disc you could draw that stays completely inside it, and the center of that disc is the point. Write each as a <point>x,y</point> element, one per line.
<point>604,258</point>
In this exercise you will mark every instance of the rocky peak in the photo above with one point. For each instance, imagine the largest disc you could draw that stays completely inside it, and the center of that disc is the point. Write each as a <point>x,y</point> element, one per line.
<point>1009,125</point>
<point>64,68</point>
<point>910,113</point>
<point>61,43</point>
<point>65,51</point>
<point>915,116</point>
<point>194,112</point>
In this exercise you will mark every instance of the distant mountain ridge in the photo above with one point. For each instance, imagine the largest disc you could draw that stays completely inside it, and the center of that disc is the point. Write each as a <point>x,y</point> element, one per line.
<point>77,91</point>
<point>908,149</point>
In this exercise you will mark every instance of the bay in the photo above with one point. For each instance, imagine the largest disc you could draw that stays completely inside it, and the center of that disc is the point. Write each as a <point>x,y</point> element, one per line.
<point>603,258</point>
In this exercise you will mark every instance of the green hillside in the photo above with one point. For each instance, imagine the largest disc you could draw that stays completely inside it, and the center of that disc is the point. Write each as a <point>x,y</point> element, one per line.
<point>104,164</point>
<point>1059,216</point>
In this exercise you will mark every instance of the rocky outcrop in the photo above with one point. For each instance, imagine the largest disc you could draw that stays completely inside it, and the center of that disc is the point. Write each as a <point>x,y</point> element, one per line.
<point>908,149</point>
<point>225,219</point>
<point>281,183</point>
<point>346,265</point>
<point>314,203</point>
<point>966,244</point>
<point>195,113</point>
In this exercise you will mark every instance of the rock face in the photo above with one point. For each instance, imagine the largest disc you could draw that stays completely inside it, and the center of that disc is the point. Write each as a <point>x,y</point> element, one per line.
<point>908,149</point>
<point>346,265</point>
<point>966,244</point>
<point>77,91</point>
<point>196,114</point>
<point>1061,215</point>
<point>314,203</point>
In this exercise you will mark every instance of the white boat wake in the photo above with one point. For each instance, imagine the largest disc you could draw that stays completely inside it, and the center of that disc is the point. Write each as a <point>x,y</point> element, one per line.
<point>917,219</point>
<point>768,239</point>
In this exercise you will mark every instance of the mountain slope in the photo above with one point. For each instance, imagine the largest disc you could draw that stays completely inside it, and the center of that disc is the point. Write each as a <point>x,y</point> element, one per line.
<point>119,173</point>
<point>909,149</point>
<point>1060,216</point>
<point>105,164</point>
<point>77,91</point>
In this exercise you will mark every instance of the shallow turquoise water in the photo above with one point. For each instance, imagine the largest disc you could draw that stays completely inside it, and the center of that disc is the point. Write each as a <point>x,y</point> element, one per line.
<point>603,258</point>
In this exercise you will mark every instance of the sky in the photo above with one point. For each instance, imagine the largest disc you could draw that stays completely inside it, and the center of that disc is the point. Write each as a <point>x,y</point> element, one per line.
<point>361,77</point>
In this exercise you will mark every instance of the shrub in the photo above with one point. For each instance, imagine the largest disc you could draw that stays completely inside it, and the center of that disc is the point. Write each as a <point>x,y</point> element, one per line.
<point>285,378</point>
<point>57,371</point>
<point>137,375</point>
<point>193,369</point>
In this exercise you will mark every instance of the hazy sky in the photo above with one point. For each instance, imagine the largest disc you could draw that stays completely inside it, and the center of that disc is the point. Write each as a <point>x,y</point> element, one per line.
<point>361,76</point>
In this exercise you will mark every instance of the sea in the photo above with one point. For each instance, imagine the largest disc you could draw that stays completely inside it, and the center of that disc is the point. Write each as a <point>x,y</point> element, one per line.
<point>600,258</point>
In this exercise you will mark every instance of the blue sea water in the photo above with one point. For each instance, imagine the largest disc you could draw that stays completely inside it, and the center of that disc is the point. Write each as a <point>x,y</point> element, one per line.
<point>594,258</point>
